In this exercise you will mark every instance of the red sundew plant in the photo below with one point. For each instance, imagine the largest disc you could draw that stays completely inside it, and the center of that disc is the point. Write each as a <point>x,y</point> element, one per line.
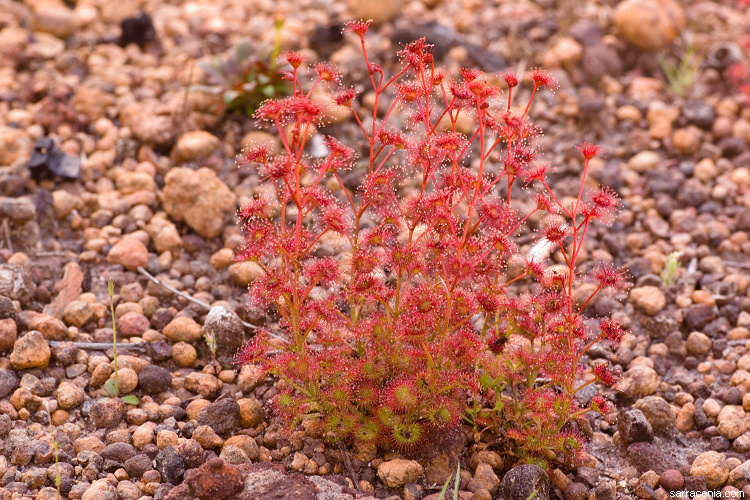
<point>413,318</point>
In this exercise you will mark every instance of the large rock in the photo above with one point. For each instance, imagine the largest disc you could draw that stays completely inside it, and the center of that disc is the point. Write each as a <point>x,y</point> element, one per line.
<point>214,480</point>
<point>649,24</point>
<point>226,326</point>
<point>30,351</point>
<point>524,481</point>
<point>711,466</point>
<point>199,198</point>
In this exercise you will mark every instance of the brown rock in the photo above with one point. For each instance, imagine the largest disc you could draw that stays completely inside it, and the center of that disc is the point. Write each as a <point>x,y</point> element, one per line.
<point>50,327</point>
<point>23,398</point>
<point>15,144</point>
<point>130,253</point>
<point>101,489</point>
<point>207,438</point>
<point>78,313</point>
<point>648,298</point>
<point>8,334</point>
<point>54,18</point>
<point>649,24</point>
<point>214,480</point>
<point>127,380</point>
<point>68,289</point>
<point>132,324</point>
<point>69,395</point>
<point>194,146</point>
<point>204,384</point>
<point>132,182</point>
<point>711,466</point>
<point>199,198</point>
<point>88,443</point>
<point>183,329</point>
<point>380,12</point>
<point>245,443</point>
<point>395,473</point>
<point>30,351</point>
<point>150,122</point>
<point>92,102</point>
<point>183,354</point>
<point>107,413</point>
<point>251,412</point>
<point>484,478</point>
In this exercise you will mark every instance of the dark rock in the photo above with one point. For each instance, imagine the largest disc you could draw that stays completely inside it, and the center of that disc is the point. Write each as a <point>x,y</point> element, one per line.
<point>699,113</point>
<point>161,318</point>
<point>160,351</point>
<point>722,57</point>
<point>8,382</point>
<point>138,30</point>
<point>193,243</point>
<point>135,466</point>
<point>699,389</point>
<point>6,308</point>
<point>522,481</point>
<point>150,450</point>
<point>634,427</point>
<point>107,413</point>
<point>585,31</point>
<point>65,353</point>
<point>732,146</point>
<point>171,465</point>
<point>576,491</point>
<point>221,415</point>
<point>214,480</point>
<point>600,59</point>
<point>694,484</point>
<point>646,456</point>
<point>720,443</point>
<point>699,315</point>
<point>119,452</point>
<point>730,395</point>
<point>605,490</point>
<point>154,379</point>
<point>47,160</point>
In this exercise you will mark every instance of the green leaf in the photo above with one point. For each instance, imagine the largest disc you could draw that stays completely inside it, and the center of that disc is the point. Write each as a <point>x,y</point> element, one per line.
<point>131,399</point>
<point>110,387</point>
<point>457,482</point>
<point>445,488</point>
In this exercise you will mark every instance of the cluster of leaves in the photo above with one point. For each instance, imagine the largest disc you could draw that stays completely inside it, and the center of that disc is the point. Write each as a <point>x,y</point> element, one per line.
<point>413,318</point>
<point>681,75</point>
<point>245,78</point>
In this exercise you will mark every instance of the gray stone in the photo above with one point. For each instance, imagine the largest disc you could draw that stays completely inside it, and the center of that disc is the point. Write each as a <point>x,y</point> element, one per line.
<point>524,480</point>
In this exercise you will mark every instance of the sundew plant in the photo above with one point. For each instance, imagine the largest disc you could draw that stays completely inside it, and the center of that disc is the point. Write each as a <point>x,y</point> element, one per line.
<point>413,322</point>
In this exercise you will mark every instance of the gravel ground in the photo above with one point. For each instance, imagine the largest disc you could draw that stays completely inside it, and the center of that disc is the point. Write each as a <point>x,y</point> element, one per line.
<point>157,194</point>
